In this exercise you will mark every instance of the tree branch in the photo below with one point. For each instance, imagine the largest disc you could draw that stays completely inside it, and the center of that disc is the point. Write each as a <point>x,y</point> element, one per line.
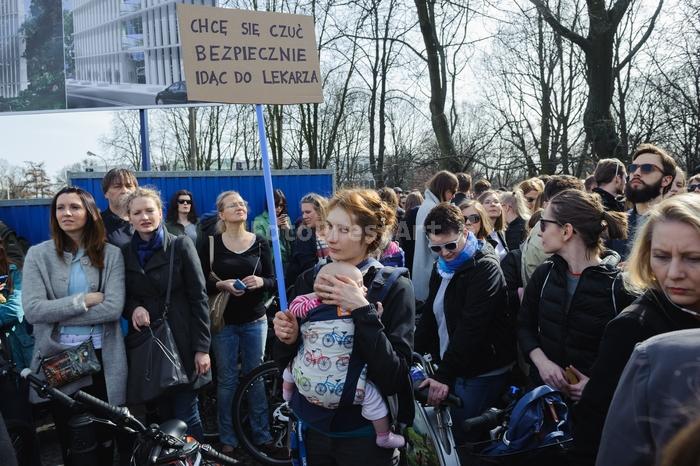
<point>641,42</point>
<point>560,28</point>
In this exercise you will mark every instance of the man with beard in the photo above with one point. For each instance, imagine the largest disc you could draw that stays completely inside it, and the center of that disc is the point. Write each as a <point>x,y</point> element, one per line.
<point>610,175</point>
<point>650,176</point>
<point>117,184</point>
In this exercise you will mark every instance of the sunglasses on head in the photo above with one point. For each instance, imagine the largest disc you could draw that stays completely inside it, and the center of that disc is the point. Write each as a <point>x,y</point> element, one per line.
<point>473,218</point>
<point>184,201</point>
<point>450,246</point>
<point>693,187</point>
<point>544,222</point>
<point>644,168</point>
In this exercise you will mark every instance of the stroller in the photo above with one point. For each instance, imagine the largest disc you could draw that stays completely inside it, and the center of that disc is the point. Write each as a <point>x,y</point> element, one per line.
<point>429,441</point>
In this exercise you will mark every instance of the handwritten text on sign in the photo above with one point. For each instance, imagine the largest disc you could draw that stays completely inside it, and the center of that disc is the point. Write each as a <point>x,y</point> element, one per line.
<point>252,57</point>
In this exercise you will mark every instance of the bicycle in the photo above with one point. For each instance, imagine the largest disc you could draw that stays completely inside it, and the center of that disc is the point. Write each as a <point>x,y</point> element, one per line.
<point>315,357</point>
<point>328,386</point>
<point>156,444</point>
<point>278,414</point>
<point>329,339</point>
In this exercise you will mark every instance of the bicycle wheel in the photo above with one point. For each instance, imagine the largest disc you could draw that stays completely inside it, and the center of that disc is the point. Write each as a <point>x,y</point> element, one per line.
<point>269,378</point>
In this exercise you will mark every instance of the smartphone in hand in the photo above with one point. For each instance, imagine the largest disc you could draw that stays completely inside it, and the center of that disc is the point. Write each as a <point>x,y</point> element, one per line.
<point>239,285</point>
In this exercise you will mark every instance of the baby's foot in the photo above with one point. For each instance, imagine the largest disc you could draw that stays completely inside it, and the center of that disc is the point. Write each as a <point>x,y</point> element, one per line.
<point>390,440</point>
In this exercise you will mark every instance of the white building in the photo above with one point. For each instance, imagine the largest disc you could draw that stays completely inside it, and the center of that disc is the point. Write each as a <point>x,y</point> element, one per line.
<point>13,67</point>
<point>128,41</point>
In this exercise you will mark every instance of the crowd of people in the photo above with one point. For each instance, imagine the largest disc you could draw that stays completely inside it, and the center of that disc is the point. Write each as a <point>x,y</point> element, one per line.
<point>554,280</point>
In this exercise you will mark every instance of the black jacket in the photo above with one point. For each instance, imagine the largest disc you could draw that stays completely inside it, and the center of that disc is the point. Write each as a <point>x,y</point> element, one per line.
<point>482,337</point>
<point>385,343</point>
<point>609,201</point>
<point>406,234</point>
<point>569,336</point>
<point>188,315</point>
<point>651,314</point>
<point>515,233</point>
<point>304,253</point>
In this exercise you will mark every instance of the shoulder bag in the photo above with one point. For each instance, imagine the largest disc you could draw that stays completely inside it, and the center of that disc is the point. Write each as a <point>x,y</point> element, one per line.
<point>218,301</point>
<point>154,361</point>
<point>73,363</point>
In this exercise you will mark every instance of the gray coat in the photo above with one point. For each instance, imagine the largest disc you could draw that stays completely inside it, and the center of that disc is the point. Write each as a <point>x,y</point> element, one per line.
<point>46,306</point>
<point>657,396</point>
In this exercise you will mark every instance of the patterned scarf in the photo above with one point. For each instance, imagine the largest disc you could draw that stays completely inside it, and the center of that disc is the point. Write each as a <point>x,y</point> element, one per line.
<point>447,269</point>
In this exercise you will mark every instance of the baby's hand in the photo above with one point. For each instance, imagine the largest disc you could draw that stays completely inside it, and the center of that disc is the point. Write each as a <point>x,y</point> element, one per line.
<point>380,308</point>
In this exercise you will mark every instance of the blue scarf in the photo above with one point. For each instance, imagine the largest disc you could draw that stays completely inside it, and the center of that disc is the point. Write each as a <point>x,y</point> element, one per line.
<point>146,249</point>
<point>447,269</point>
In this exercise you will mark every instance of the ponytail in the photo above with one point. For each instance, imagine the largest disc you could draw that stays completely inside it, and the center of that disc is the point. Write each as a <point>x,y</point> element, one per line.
<point>616,224</point>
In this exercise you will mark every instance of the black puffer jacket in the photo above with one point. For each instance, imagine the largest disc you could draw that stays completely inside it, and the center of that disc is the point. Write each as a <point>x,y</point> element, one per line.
<point>482,337</point>
<point>569,336</point>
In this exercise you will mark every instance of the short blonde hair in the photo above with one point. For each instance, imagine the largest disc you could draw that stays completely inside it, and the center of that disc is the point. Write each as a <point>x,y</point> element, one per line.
<point>516,200</point>
<point>149,193</point>
<point>683,208</point>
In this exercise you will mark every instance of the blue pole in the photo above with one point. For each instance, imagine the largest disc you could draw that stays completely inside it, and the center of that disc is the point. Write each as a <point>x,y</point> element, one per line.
<point>274,231</point>
<point>145,151</point>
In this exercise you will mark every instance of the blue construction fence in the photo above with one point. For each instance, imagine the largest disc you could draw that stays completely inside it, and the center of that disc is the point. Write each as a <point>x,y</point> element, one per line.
<point>30,217</point>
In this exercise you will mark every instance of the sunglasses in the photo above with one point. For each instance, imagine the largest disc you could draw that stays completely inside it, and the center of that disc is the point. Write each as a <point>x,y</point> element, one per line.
<point>184,201</point>
<point>544,222</point>
<point>644,168</point>
<point>451,246</point>
<point>473,218</point>
<point>693,187</point>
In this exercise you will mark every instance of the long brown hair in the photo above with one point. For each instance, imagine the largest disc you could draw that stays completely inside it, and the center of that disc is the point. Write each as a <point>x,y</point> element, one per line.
<point>93,239</point>
<point>5,262</point>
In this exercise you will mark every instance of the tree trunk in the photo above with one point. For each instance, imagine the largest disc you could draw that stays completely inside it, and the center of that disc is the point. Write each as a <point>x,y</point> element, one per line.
<point>437,72</point>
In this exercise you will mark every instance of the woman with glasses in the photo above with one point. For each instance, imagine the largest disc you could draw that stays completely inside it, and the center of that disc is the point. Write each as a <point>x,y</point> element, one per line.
<point>181,218</point>
<point>464,323</point>
<point>571,297</point>
<point>261,226</point>
<point>664,270</point>
<point>476,220</point>
<point>492,203</point>
<point>694,184</point>
<point>516,215</point>
<point>73,293</point>
<point>147,271</point>
<point>242,267</point>
<point>532,189</point>
<point>309,247</point>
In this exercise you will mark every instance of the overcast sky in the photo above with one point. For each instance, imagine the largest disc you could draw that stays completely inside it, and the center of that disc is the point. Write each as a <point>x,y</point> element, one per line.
<point>58,139</point>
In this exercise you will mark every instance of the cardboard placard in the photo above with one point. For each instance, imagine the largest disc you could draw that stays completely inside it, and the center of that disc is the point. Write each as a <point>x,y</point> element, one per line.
<point>249,57</point>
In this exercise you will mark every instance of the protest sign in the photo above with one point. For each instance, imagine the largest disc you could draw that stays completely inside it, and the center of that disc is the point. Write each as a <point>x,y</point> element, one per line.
<point>253,57</point>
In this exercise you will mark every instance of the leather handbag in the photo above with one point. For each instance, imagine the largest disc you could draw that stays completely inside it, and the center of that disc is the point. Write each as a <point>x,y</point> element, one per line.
<point>154,361</point>
<point>73,363</point>
<point>218,301</point>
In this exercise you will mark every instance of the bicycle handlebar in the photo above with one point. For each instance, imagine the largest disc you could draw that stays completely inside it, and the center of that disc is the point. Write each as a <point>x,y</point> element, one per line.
<point>209,453</point>
<point>489,419</point>
<point>44,389</point>
<point>452,401</point>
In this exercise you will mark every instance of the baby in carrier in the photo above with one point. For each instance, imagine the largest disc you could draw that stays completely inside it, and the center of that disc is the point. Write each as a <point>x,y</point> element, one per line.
<point>374,408</point>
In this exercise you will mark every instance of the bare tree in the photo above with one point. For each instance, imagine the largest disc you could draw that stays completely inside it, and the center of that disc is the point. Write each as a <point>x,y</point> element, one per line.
<point>124,141</point>
<point>598,47</point>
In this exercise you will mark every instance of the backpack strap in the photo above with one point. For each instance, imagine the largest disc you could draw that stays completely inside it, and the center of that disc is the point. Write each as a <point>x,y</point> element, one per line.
<point>383,281</point>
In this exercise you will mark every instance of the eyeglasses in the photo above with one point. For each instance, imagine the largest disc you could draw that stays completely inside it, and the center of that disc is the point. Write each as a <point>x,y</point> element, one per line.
<point>544,222</point>
<point>473,218</point>
<point>233,205</point>
<point>693,187</point>
<point>450,246</point>
<point>184,201</point>
<point>645,168</point>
